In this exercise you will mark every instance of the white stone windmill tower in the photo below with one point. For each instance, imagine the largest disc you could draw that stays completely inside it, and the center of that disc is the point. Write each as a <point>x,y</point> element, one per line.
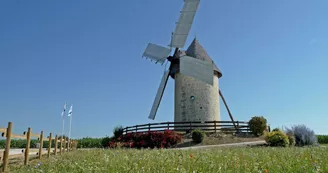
<point>196,75</point>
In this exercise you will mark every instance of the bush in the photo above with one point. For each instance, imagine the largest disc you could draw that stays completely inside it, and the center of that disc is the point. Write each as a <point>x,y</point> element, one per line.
<point>105,141</point>
<point>164,139</point>
<point>277,138</point>
<point>118,131</point>
<point>88,142</point>
<point>2,143</point>
<point>257,125</point>
<point>117,144</point>
<point>197,135</point>
<point>276,129</point>
<point>303,135</point>
<point>291,139</point>
<point>322,139</point>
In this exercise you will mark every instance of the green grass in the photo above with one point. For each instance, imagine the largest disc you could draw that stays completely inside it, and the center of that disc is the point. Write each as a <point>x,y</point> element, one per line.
<point>225,160</point>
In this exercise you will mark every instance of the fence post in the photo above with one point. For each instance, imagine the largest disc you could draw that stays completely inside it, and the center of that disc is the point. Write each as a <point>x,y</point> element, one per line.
<point>71,148</point>
<point>238,127</point>
<point>68,144</point>
<point>136,128</point>
<point>215,126</point>
<point>41,145</point>
<point>27,149</point>
<point>65,144</point>
<point>149,127</point>
<point>190,126</point>
<point>61,145</point>
<point>49,146</point>
<point>56,144</point>
<point>6,152</point>
<point>168,125</point>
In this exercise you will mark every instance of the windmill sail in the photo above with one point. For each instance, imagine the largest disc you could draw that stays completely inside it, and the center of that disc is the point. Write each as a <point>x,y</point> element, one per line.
<point>184,23</point>
<point>156,53</point>
<point>198,69</point>
<point>159,95</point>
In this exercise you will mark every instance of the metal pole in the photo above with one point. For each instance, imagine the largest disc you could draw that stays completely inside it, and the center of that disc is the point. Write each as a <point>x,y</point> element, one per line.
<point>69,132</point>
<point>63,116</point>
<point>63,126</point>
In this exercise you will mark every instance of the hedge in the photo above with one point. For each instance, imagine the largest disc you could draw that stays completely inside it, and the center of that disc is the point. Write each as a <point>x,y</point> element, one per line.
<point>322,139</point>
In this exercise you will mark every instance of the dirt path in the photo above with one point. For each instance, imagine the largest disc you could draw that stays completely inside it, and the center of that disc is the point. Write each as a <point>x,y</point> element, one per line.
<point>19,152</point>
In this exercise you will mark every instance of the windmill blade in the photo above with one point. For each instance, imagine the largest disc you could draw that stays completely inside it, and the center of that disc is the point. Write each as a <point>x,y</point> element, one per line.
<point>198,69</point>
<point>184,23</point>
<point>156,53</point>
<point>159,95</point>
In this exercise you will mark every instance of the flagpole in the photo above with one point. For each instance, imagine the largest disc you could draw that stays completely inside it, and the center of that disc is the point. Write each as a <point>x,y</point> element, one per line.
<point>63,127</point>
<point>63,116</point>
<point>69,133</point>
<point>70,113</point>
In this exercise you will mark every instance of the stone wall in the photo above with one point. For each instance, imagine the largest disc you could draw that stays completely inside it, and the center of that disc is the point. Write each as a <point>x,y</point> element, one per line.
<point>195,100</point>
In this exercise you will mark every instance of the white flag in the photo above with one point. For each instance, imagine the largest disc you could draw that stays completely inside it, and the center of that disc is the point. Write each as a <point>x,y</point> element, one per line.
<point>63,112</point>
<point>70,111</point>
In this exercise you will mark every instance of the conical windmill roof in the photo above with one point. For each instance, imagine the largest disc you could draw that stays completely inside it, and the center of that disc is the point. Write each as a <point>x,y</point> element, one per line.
<point>197,51</point>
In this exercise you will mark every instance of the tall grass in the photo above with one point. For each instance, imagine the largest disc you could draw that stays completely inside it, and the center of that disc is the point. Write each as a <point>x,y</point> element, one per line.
<point>277,160</point>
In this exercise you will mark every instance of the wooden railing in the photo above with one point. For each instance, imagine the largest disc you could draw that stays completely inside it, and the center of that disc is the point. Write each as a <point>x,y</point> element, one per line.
<point>210,126</point>
<point>7,133</point>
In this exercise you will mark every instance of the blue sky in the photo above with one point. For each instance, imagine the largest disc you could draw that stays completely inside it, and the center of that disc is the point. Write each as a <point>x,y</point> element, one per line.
<point>273,55</point>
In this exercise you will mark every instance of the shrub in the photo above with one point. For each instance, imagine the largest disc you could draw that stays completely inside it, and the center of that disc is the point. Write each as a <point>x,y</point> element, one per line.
<point>116,144</point>
<point>276,129</point>
<point>291,139</point>
<point>88,142</point>
<point>257,125</point>
<point>303,135</point>
<point>105,141</point>
<point>322,139</point>
<point>118,131</point>
<point>2,143</point>
<point>277,138</point>
<point>197,135</point>
<point>164,139</point>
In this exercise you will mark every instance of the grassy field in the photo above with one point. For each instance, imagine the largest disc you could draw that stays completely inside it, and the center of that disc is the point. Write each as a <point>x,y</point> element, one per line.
<point>225,160</point>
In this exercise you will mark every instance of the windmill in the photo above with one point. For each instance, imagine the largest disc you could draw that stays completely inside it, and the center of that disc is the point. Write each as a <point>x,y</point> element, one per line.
<point>196,75</point>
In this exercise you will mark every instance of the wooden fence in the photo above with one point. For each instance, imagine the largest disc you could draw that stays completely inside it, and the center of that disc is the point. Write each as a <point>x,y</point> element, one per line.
<point>7,133</point>
<point>209,126</point>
